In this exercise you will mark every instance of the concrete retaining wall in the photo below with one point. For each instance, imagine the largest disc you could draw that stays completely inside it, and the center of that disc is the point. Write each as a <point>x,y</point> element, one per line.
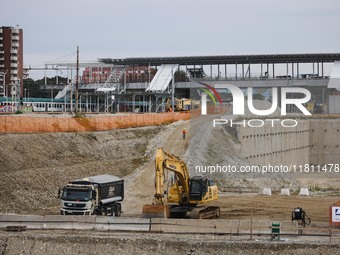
<point>334,104</point>
<point>276,145</point>
<point>60,123</point>
<point>325,141</point>
<point>314,141</point>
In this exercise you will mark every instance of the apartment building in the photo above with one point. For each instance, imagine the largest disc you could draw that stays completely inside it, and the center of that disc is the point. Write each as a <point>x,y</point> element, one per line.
<point>11,61</point>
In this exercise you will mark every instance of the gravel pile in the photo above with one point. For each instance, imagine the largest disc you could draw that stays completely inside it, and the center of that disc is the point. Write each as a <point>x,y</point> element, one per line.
<point>219,146</point>
<point>58,243</point>
<point>34,166</point>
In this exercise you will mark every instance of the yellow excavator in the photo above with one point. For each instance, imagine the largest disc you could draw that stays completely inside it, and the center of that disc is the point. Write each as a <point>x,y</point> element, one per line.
<point>183,104</point>
<point>181,194</point>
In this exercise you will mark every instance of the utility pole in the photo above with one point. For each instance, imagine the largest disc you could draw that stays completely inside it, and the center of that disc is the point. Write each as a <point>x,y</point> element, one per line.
<point>173,89</point>
<point>77,82</point>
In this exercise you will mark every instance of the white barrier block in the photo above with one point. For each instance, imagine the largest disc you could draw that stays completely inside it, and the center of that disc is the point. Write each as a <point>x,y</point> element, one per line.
<point>285,192</point>
<point>267,191</point>
<point>304,192</point>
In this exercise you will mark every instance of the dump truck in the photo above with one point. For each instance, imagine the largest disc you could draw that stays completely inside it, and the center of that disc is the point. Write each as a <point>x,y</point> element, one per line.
<point>94,195</point>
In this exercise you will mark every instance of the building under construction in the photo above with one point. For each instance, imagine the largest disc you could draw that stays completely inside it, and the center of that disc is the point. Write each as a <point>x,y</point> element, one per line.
<point>162,84</point>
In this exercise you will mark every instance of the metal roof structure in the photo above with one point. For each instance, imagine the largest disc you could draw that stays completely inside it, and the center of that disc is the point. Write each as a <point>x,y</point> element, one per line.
<point>231,59</point>
<point>74,64</point>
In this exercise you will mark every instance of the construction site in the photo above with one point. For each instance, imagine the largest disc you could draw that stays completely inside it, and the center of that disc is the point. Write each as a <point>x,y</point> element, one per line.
<point>258,175</point>
<point>54,158</point>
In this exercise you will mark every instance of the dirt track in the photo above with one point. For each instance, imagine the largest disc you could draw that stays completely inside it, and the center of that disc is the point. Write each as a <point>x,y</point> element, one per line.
<point>140,185</point>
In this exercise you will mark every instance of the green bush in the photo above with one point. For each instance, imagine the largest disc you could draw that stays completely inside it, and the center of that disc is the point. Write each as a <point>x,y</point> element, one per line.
<point>19,112</point>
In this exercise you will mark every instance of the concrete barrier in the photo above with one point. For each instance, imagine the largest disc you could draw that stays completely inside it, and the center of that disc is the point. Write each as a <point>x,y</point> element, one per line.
<point>266,191</point>
<point>285,192</point>
<point>122,224</point>
<point>190,226</point>
<point>304,192</point>
<point>219,226</point>
<point>19,218</point>
<point>102,223</point>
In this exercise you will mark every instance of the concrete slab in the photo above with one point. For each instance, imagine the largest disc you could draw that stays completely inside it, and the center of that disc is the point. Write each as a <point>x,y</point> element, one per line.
<point>18,218</point>
<point>219,226</point>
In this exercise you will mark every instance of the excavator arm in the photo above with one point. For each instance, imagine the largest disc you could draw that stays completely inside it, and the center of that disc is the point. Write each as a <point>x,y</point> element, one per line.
<point>168,162</point>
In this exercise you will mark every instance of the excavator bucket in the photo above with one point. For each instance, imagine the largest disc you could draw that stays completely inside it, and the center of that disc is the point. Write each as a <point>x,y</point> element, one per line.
<point>156,211</point>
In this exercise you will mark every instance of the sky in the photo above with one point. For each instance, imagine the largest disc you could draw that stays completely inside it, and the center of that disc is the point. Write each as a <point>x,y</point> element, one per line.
<point>158,28</point>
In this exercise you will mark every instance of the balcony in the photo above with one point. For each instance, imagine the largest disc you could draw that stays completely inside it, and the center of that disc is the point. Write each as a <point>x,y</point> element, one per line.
<point>14,78</point>
<point>15,65</point>
<point>15,44</point>
<point>15,38</point>
<point>14,71</point>
<point>14,58</point>
<point>13,51</point>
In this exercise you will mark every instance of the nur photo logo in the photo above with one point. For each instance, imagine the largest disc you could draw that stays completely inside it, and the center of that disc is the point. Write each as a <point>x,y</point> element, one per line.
<point>279,98</point>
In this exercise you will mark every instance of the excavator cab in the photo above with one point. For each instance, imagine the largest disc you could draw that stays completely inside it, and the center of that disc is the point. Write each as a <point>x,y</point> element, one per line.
<point>198,187</point>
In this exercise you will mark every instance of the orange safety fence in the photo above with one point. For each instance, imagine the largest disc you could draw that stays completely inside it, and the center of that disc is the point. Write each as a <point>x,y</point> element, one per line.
<point>57,123</point>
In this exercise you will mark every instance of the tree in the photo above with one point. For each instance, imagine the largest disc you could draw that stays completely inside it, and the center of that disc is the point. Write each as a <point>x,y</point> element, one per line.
<point>34,87</point>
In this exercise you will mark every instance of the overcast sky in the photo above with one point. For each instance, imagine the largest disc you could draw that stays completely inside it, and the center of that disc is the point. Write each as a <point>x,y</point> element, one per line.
<point>145,28</point>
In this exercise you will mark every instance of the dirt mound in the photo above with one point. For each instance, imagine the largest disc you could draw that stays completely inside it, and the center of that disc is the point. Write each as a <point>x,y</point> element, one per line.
<point>34,166</point>
<point>215,148</point>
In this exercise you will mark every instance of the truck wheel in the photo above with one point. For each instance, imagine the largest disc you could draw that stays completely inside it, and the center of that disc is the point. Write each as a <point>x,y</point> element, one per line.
<point>118,210</point>
<point>102,212</point>
<point>113,210</point>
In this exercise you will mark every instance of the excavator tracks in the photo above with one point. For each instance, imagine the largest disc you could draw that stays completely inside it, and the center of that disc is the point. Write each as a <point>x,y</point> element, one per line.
<point>210,212</point>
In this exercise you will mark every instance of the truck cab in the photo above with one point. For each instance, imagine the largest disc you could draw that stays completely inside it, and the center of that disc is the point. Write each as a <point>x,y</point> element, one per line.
<point>77,200</point>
